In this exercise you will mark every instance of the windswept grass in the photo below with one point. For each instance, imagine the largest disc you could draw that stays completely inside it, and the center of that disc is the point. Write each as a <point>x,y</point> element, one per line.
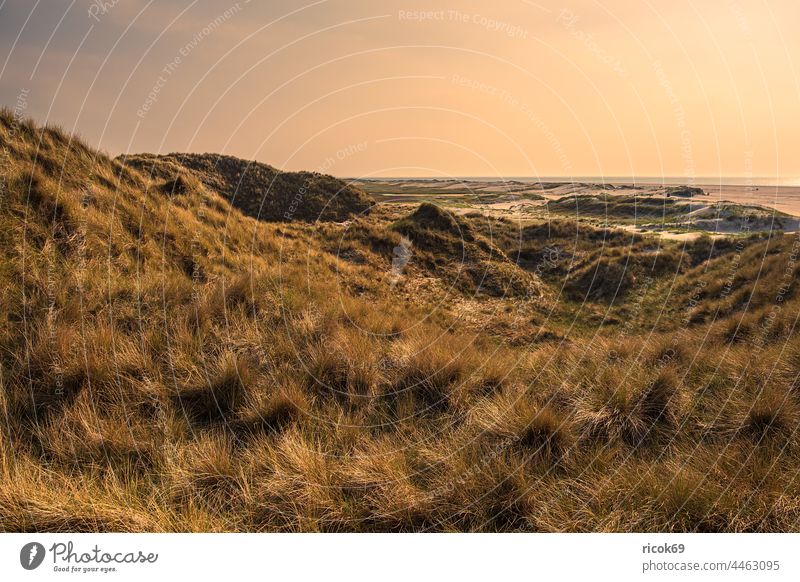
<point>169,363</point>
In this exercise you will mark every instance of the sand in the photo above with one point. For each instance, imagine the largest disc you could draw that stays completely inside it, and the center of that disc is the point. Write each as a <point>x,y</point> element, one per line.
<point>783,198</point>
<point>488,197</point>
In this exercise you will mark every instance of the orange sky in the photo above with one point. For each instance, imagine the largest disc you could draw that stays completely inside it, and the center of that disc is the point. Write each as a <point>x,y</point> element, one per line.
<point>433,88</point>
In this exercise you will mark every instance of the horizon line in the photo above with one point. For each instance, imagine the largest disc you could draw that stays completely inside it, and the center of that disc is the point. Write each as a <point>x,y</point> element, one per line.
<point>672,180</point>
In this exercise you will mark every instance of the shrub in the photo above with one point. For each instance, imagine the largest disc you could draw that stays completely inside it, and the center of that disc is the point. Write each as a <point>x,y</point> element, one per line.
<point>773,415</point>
<point>273,412</point>
<point>222,392</point>
<point>427,372</point>
<point>533,430</point>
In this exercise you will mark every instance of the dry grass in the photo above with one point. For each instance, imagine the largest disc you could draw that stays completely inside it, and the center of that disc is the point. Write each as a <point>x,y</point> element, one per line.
<point>170,364</point>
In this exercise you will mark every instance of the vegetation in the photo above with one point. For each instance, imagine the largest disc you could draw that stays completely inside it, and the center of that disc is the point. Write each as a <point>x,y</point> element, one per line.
<point>676,211</point>
<point>452,191</point>
<point>257,189</point>
<point>169,363</point>
<point>684,191</point>
<point>620,207</point>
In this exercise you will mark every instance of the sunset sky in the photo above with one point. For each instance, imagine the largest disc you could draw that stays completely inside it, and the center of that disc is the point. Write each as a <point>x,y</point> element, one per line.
<point>431,88</point>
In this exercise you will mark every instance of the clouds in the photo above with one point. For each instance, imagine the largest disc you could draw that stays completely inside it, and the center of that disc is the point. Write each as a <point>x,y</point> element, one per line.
<point>290,83</point>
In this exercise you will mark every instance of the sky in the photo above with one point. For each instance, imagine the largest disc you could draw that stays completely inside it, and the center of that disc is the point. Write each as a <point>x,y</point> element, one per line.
<point>362,88</point>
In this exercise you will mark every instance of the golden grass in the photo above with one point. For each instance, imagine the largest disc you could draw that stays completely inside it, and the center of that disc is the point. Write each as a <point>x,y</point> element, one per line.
<point>169,364</point>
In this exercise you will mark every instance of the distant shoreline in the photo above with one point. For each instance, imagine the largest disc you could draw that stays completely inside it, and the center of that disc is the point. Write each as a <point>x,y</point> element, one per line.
<point>784,198</point>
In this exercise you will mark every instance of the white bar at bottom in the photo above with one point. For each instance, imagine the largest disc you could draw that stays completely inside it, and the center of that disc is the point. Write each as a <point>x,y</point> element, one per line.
<point>371,557</point>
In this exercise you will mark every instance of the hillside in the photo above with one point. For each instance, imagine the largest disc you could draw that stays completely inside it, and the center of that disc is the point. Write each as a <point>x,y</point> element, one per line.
<point>171,363</point>
<point>259,190</point>
<point>447,245</point>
